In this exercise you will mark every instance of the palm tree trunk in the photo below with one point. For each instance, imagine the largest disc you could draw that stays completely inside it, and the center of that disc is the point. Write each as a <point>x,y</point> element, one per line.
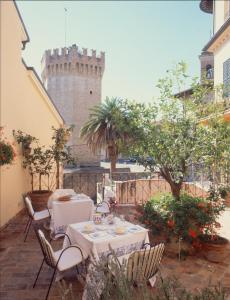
<point>112,152</point>
<point>113,163</point>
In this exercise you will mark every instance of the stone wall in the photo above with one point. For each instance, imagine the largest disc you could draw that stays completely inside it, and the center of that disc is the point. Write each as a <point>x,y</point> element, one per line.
<point>73,80</point>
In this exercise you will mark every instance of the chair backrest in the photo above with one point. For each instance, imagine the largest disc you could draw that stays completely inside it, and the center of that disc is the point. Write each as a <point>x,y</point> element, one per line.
<point>29,207</point>
<point>46,248</point>
<point>144,264</point>
<point>105,206</point>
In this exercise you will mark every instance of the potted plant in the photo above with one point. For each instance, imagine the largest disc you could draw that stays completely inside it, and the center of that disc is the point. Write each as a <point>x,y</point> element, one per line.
<point>7,152</point>
<point>39,163</point>
<point>191,221</point>
<point>25,140</point>
<point>61,153</point>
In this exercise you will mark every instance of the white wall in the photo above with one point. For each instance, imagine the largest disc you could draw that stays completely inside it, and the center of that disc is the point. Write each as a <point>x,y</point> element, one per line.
<point>218,14</point>
<point>220,56</point>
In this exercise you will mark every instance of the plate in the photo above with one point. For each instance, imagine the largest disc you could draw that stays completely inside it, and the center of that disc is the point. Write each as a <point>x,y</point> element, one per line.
<point>88,229</point>
<point>133,229</point>
<point>121,231</point>
<point>101,227</point>
<point>96,235</point>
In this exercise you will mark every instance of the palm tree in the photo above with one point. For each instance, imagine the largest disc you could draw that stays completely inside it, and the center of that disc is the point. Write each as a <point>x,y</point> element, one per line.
<point>102,130</point>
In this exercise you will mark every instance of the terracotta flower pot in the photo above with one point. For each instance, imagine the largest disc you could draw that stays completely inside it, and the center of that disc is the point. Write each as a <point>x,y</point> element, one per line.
<point>39,199</point>
<point>214,250</point>
<point>227,200</point>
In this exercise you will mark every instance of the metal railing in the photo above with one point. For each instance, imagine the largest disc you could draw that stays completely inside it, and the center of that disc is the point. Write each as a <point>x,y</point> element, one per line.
<point>132,188</point>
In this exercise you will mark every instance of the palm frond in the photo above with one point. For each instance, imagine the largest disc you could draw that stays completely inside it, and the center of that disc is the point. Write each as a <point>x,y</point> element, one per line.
<point>102,128</point>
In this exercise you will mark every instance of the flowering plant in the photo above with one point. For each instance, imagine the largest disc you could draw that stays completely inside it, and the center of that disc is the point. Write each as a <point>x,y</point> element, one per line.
<point>25,140</point>
<point>188,218</point>
<point>7,152</point>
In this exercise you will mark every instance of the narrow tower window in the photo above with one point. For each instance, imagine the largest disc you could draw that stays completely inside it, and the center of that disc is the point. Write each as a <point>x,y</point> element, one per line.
<point>91,92</point>
<point>209,72</point>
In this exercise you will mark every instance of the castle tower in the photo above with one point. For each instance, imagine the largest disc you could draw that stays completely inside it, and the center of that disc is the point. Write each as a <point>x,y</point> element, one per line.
<point>206,73</point>
<point>73,80</point>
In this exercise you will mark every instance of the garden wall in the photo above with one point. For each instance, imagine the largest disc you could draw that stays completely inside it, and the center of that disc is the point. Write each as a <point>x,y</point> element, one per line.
<point>141,190</point>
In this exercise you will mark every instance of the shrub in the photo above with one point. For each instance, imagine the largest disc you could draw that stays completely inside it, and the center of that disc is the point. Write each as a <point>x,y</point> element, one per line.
<point>7,152</point>
<point>187,218</point>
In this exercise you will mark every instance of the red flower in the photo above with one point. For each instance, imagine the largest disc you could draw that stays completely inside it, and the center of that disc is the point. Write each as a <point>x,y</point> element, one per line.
<point>192,233</point>
<point>217,224</point>
<point>201,204</point>
<point>171,223</point>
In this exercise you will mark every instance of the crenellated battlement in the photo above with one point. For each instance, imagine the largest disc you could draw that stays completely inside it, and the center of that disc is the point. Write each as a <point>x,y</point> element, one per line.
<point>73,79</point>
<point>72,59</point>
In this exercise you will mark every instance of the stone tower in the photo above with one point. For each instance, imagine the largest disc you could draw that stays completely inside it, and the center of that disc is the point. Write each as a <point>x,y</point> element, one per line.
<point>73,80</point>
<point>206,66</point>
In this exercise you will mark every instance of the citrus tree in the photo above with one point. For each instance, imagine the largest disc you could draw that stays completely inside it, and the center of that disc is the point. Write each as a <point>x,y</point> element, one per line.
<point>170,130</point>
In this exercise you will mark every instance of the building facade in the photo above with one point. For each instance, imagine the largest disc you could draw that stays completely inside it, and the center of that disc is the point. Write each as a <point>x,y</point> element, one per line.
<point>219,44</point>
<point>24,105</point>
<point>73,79</point>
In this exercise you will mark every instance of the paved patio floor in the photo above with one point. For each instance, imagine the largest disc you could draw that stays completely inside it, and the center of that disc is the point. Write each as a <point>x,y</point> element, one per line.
<point>20,261</point>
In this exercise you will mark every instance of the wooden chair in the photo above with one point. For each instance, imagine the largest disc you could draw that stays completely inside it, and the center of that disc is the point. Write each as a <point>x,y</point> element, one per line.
<point>33,216</point>
<point>142,265</point>
<point>60,260</point>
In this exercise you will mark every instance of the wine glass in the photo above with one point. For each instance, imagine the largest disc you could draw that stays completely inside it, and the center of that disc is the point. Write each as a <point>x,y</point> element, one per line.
<point>122,218</point>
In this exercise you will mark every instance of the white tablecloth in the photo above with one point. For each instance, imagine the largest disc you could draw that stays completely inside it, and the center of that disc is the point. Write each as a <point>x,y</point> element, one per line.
<point>98,246</point>
<point>59,193</point>
<point>80,208</point>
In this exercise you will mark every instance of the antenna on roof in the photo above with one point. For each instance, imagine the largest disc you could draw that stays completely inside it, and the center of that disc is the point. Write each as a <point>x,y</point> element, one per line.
<point>65,23</point>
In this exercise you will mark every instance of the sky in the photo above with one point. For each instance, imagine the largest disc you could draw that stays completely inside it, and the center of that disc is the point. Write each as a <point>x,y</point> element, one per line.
<point>141,39</point>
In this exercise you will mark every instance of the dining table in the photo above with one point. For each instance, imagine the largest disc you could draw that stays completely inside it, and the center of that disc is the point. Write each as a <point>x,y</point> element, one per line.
<point>77,209</point>
<point>122,236</point>
<point>98,242</point>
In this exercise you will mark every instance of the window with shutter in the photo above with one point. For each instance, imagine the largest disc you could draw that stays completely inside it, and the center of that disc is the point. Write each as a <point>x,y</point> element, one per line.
<point>226,78</point>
